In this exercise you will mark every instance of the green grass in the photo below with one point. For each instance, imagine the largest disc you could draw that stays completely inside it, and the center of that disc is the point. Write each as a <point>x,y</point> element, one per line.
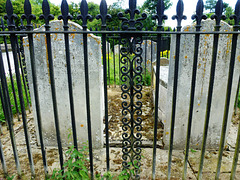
<point>14,110</point>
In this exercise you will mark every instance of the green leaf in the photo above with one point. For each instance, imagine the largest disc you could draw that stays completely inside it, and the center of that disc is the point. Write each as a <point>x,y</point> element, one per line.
<point>192,150</point>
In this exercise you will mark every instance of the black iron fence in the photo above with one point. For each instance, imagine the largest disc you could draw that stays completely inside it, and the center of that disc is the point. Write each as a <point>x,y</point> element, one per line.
<point>130,71</point>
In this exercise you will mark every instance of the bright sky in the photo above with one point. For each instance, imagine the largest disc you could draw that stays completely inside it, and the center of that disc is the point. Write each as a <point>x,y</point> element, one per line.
<point>189,8</point>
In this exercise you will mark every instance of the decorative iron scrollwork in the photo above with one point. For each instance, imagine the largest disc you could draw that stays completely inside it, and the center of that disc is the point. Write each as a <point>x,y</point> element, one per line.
<point>131,95</point>
<point>132,24</point>
<point>131,70</point>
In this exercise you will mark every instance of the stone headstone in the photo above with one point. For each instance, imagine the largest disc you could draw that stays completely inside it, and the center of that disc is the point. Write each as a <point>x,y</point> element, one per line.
<point>201,91</point>
<point>147,53</point>
<point>117,48</point>
<point>61,82</point>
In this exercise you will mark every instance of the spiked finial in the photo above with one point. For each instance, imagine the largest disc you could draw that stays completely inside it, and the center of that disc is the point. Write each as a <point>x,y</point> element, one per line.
<point>28,14</point>
<point>236,15</point>
<point>46,13</point>
<point>132,24</point>
<point>160,16</point>
<point>10,16</point>
<point>218,13</point>
<point>84,14</point>
<point>199,16</point>
<point>65,14</point>
<point>103,14</point>
<point>179,16</point>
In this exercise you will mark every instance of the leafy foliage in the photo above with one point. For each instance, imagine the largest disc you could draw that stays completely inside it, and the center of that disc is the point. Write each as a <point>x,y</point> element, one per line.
<point>75,166</point>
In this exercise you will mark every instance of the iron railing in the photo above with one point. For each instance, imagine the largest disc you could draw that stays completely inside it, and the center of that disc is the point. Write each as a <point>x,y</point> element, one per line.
<point>130,36</point>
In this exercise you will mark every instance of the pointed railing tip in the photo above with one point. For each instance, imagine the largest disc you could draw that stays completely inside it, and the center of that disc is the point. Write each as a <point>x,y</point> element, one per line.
<point>27,8</point>
<point>65,16</point>
<point>10,16</point>
<point>84,14</point>
<point>179,16</point>
<point>237,8</point>
<point>28,14</point>
<point>46,13</point>
<point>218,13</point>
<point>9,8</point>
<point>199,16</point>
<point>236,16</point>
<point>103,14</point>
<point>160,14</point>
<point>132,4</point>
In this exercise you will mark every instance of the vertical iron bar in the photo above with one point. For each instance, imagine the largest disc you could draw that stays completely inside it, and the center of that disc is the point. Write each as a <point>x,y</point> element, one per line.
<point>37,104</point>
<point>4,166</point>
<point>11,77</point>
<point>3,107</point>
<point>192,95</point>
<point>119,64</point>
<point>3,160</point>
<point>105,98</point>
<point>131,84</point>
<point>114,70</point>
<point>13,40</point>
<point>24,63</point>
<point>54,98</point>
<point>22,72</point>
<point>151,54</point>
<point>236,102</point>
<point>236,153</point>
<point>108,65</point>
<point>227,102</point>
<point>145,61</point>
<point>156,105</point>
<point>174,100</point>
<point>209,100</point>
<point>85,48</point>
<point>72,109</point>
<point>9,117</point>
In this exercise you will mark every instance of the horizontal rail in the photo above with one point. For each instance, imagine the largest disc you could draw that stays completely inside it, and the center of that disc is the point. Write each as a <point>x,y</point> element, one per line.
<point>114,32</point>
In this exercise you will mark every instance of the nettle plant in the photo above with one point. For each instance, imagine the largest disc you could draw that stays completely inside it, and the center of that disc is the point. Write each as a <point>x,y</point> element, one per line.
<point>76,167</point>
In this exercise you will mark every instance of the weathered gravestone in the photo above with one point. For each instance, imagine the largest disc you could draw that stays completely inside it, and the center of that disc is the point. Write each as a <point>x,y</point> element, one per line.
<point>61,82</point>
<point>149,53</point>
<point>163,80</point>
<point>117,49</point>
<point>202,83</point>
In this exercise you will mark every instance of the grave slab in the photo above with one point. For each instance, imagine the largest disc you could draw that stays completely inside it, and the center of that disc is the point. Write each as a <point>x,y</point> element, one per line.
<point>61,84</point>
<point>202,83</point>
